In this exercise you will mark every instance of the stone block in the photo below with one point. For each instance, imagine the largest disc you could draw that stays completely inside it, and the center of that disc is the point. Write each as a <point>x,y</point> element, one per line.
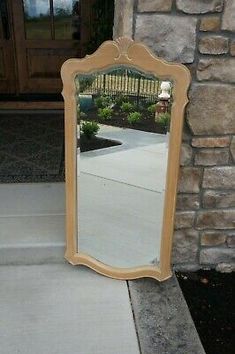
<point>211,157</point>
<point>211,109</point>
<point>232,48</point>
<point>218,199</point>
<point>162,319</point>
<point>185,246</point>
<point>211,142</point>
<point>189,180</point>
<point>123,18</point>
<point>186,154</point>
<point>199,6</point>
<point>215,219</point>
<point>188,202</point>
<point>228,18</point>
<point>219,177</point>
<point>217,255</point>
<point>184,219</point>
<point>231,240</point>
<point>186,267</point>
<point>213,45</point>
<point>154,5</point>
<point>232,148</point>
<point>170,37</point>
<point>187,135</point>
<point>210,23</point>
<point>225,267</point>
<point>213,238</point>
<point>216,69</point>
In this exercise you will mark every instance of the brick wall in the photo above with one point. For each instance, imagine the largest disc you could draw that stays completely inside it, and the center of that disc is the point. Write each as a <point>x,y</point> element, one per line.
<point>200,34</point>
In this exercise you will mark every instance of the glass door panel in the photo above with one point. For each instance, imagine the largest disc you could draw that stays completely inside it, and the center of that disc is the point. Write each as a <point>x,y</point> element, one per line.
<point>37,19</point>
<point>67,19</point>
<point>45,37</point>
<point>52,19</point>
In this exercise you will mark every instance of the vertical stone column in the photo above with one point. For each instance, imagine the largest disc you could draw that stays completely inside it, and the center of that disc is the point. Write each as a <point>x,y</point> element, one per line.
<point>123,18</point>
<point>199,34</point>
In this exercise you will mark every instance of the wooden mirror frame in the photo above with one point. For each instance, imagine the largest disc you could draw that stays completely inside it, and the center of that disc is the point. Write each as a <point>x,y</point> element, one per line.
<point>123,51</point>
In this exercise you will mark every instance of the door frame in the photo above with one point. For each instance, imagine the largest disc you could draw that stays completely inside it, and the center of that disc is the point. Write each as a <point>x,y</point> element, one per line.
<point>9,82</point>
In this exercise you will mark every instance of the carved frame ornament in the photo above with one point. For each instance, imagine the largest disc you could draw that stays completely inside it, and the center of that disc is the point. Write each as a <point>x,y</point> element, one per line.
<point>124,51</point>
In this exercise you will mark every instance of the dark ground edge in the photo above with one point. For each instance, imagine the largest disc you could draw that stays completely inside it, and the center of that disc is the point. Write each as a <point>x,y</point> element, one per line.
<point>134,318</point>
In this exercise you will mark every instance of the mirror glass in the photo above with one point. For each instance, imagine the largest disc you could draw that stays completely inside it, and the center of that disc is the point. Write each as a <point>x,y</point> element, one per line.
<point>122,147</point>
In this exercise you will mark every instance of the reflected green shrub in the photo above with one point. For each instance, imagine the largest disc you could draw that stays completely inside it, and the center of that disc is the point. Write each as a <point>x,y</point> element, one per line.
<point>152,108</point>
<point>127,107</point>
<point>105,113</point>
<point>89,128</point>
<point>164,120</point>
<point>120,99</point>
<point>134,117</point>
<point>103,101</point>
<point>85,83</point>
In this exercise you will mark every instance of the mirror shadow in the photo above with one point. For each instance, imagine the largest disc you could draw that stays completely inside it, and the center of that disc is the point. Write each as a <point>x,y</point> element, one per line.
<point>122,134</point>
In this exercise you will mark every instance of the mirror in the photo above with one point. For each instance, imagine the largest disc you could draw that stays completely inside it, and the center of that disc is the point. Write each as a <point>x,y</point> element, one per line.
<point>121,168</point>
<point>123,122</point>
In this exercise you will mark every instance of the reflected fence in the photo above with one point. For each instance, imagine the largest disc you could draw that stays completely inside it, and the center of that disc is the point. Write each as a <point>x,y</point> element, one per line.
<point>125,83</point>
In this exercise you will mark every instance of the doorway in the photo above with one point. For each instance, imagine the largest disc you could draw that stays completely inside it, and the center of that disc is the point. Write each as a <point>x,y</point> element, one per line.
<point>36,37</point>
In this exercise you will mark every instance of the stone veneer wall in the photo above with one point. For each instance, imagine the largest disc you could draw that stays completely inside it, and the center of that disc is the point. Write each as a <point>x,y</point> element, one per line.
<point>200,34</point>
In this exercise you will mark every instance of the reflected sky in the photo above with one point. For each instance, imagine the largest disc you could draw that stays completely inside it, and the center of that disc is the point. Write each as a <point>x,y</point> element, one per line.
<point>37,8</point>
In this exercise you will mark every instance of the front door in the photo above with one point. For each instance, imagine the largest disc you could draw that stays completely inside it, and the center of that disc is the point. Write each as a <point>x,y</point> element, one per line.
<point>43,33</point>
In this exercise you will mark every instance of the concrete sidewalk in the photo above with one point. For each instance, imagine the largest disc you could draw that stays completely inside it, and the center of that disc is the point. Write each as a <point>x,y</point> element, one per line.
<point>119,223</point>
<point>121,197</point>
<point>61,309</point>
<point>58,308</point>
<point>140,161</point>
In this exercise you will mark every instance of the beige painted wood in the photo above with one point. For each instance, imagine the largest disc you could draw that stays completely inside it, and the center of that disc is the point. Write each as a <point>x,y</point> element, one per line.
<point>124,51</point>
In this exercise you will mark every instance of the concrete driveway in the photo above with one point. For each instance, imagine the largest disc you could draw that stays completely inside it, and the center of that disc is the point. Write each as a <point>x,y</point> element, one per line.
<point>121,198</point>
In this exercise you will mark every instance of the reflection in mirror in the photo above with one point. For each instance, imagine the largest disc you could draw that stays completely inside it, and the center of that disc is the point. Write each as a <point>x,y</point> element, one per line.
<point>123,131</point>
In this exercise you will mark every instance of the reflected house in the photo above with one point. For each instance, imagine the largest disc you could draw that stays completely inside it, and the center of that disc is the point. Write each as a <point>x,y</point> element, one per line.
<point>37,36</point>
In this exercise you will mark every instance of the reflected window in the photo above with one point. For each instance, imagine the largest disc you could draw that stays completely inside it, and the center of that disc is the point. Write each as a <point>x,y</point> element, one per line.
<point>67,19</point>
<point>87,21</point>
<point>52,19</point>
<point>37,19</point>
<point>77,20</point>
